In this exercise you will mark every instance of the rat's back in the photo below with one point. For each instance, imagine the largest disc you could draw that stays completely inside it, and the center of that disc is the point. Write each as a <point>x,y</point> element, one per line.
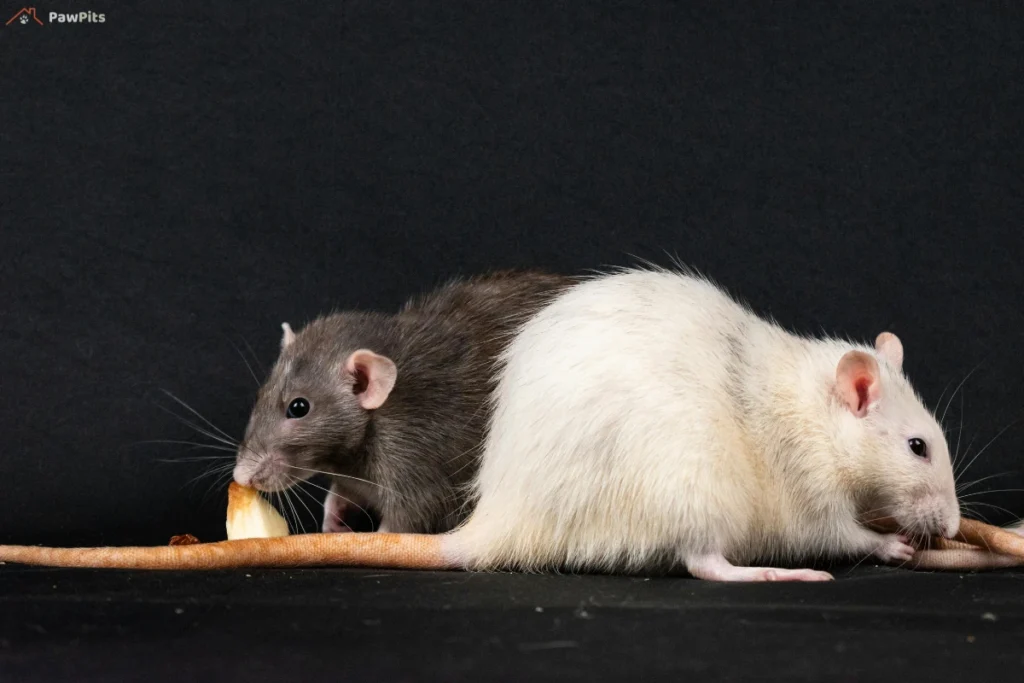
<point>445,345</point>
<point>485,309</point>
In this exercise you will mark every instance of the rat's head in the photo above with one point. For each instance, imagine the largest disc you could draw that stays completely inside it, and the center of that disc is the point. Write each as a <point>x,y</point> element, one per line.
<point>313,409</point>
<point>899,456</point>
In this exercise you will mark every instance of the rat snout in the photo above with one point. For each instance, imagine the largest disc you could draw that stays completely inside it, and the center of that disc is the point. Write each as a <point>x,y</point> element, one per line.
<point>935,516</point>
<point>242,474</point>
<point>263,471</point>
<point>952,522</point>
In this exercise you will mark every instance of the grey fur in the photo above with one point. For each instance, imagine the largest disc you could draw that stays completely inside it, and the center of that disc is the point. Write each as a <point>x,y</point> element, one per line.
<point>421,448</point>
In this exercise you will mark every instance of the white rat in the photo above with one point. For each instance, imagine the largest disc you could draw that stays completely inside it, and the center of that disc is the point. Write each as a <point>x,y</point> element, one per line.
<point>646,415</point>
<point>645,418</point>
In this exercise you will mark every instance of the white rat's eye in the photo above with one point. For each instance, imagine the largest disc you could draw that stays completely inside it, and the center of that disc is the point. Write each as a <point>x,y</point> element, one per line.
<point>297,408</point>
<point>918,447</point>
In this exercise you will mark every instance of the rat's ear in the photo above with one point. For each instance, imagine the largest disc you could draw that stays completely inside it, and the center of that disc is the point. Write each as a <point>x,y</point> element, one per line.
<point>288,337</point>
<point>891,349</point>
<point>374,377</point>
<point>858,381</point>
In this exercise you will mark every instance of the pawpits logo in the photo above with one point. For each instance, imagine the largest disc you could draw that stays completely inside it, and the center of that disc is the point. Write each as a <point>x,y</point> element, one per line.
<point>25,16</point>
<point>28,15</point>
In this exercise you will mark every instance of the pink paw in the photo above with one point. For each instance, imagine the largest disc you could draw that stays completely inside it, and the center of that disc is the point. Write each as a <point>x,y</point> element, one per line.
<point>334,516</point>
<point>895,548</point>
<point>796,575</point>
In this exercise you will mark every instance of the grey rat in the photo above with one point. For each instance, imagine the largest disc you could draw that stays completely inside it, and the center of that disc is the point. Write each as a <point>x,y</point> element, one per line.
<point>392,405</point>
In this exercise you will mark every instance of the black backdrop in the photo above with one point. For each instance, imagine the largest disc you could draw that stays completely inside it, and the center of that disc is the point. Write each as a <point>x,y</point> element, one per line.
<point>178,180</point>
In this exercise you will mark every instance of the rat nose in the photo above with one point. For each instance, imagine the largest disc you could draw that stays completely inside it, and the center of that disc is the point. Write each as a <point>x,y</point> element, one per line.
<point>242,474</point>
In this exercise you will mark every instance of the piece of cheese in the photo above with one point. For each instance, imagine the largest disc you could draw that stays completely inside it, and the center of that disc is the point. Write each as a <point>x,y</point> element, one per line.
<point>250,516</point>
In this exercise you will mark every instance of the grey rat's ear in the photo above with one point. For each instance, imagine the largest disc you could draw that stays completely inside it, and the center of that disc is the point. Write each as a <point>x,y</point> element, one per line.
<point>374,376</point>
<point>891,349</point>
<point>288,337</point>
<point>858,382</point>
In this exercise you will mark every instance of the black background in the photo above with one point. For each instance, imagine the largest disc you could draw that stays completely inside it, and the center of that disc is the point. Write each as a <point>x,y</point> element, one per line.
<point>177,181</point>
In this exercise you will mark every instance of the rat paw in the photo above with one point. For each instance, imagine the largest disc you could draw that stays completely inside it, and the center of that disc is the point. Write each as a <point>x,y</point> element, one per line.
<point>334,516</point>
<point>895,548</point>
<point>333,525</point>
<point>771,574</point>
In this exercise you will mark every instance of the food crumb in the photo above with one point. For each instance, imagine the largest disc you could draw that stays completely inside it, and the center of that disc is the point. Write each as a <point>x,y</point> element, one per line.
<point>179,610</point>
<point>183,539</point>
<point>989,616</point>
<point>538,609</point>
<point>970,639</point>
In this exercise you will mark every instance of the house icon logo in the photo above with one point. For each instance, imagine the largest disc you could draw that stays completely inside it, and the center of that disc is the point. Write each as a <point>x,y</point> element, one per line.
<point>24,16</point>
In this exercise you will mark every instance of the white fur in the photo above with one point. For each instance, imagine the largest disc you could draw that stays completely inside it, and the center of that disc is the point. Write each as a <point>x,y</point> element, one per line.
<point>646,416</point>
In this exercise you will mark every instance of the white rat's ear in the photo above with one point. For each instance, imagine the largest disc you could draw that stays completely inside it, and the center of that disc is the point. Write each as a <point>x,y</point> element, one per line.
<point>288,337</point>
<point>891,349</point>
<point>374,377</point>
<point>858,382</point>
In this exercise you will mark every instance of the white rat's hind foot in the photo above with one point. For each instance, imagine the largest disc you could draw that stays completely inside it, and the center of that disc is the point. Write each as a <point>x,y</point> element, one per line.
<point>717,568</point>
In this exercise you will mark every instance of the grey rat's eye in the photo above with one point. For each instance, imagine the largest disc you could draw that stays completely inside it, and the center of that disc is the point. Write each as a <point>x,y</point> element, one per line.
<point>297,408</point>
<point>918,447</point>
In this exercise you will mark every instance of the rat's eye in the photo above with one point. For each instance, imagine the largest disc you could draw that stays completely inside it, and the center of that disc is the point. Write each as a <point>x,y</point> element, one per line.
<point>918,447</point>
<point>297,408</point>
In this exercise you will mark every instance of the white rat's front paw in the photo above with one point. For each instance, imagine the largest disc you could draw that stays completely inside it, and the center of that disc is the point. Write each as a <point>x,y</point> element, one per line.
<point>895,548</point>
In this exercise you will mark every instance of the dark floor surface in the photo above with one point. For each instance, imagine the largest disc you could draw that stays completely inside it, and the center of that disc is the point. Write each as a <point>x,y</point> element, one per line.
<point>361,625</point>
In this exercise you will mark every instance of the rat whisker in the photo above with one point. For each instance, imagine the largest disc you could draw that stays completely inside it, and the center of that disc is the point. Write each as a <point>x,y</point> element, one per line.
<point>997,507</point>
<point>958,387</point>
<point>969,507</point>
<point>291,503</point>
<point>205,432</point>
<point>275,500</point>
<point>209,472</point>
<point>297,487</point>
<point>200,416</point>
<point>255,356</point>
<point>283,507</point>
<point>347,500</point>
<point>993,491</point>
<point>880,508</point>
<point>963,487</point>
<point>194,444</point>
<point>345,476</point>
<point>873,520</point>
<point>957,473</point>
<point>960,431</point>
<point>198,458</point>
<point>279,497</point>
<point>217,483</point>
<point>943,395</point>
<point>991,441</point>
<point>316,501</point>
<point>246,361</point>
<point>858,563</point>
